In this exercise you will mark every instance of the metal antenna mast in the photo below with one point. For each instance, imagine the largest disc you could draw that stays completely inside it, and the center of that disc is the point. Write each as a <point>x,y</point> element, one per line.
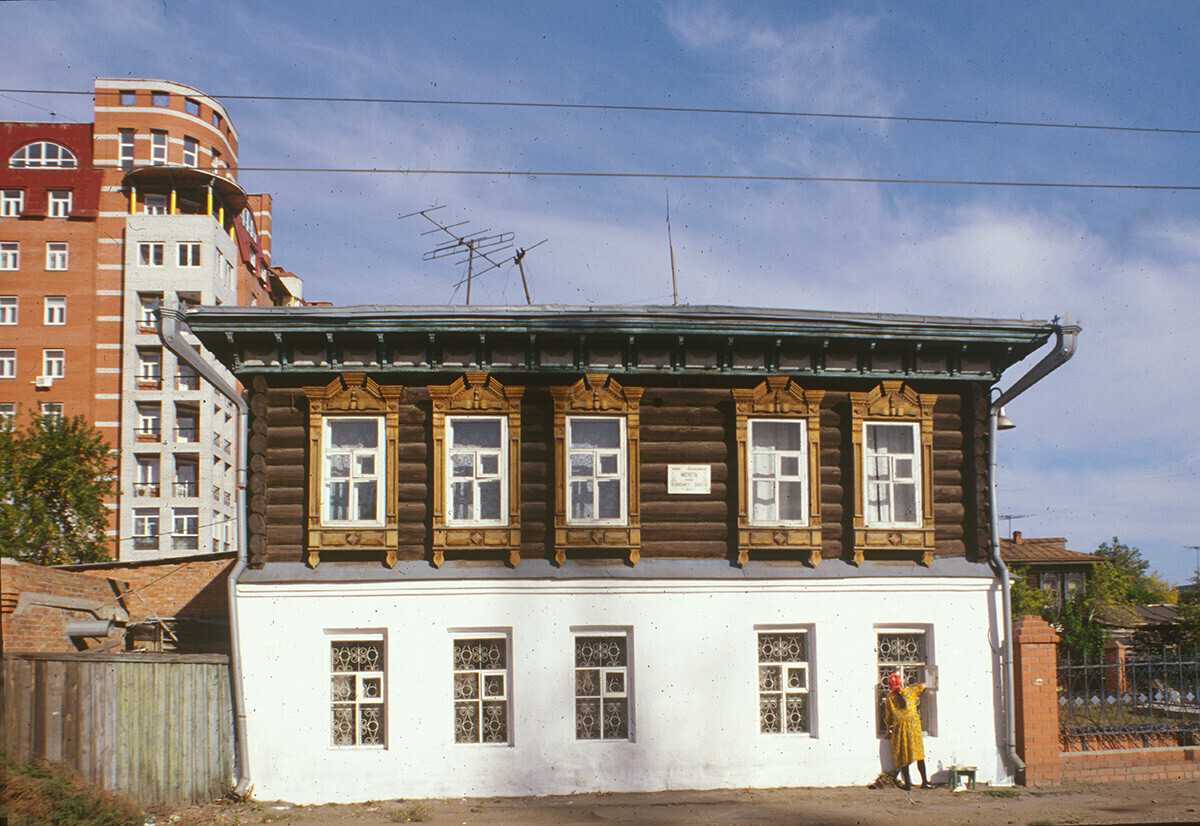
<point>1011,516</point>
<point>465,247</point>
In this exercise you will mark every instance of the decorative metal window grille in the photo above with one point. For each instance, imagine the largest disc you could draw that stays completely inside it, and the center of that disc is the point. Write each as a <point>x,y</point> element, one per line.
<point>602,688</point>
<point>783,684</point>
<point>890,452</point>
<point>477,462</point>
<point>777,472</point>
<point>356,692</point>
<point>481,690</point>
<point>906,652</point>
<point>596,464</point>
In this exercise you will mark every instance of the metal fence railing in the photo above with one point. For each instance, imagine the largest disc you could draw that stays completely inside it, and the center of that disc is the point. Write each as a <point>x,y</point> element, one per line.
<point>1150,701</point>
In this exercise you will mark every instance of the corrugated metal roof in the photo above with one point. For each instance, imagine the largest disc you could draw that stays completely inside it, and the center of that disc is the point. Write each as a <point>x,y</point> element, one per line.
<point>1043,549</point>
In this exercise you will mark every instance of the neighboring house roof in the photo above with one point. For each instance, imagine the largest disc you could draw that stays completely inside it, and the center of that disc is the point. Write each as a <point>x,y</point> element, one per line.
<point>1050,550</point>
<point>1136,616</point>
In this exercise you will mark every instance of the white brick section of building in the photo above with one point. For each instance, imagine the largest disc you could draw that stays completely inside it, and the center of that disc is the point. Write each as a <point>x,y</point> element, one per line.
<point>692,682</point>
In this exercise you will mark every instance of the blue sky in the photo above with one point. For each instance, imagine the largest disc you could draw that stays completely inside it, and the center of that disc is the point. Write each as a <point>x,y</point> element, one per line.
<point>1102,447</point>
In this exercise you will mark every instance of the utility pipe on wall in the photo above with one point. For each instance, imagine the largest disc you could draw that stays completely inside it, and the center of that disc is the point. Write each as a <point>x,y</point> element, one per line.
<point>1063,350</point>
<point>168,331</point>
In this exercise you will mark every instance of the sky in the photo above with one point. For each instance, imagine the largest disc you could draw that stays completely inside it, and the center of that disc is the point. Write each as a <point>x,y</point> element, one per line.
<point>1099,449</point>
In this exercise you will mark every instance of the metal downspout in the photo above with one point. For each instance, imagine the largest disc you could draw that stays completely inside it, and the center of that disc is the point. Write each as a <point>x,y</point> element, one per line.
<point>1063,350</point>
<point>168,331</point>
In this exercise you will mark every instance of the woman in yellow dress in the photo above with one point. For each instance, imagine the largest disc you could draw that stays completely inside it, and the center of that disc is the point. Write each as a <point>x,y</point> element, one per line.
<point>904,728</point>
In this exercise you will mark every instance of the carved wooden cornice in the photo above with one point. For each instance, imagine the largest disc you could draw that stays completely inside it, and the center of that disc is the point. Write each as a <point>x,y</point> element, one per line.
<point>778,396</point>
<point>596,393</point>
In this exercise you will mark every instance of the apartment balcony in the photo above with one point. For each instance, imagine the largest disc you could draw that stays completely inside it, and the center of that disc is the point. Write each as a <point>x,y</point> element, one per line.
<point>186,488</point>
<point>187,434</point>
<point>185,542</point>
<point>145,543</point>
<point>144,489</point>
<point>187,381</point>
<point>148,434</point>
<point>149,382</point>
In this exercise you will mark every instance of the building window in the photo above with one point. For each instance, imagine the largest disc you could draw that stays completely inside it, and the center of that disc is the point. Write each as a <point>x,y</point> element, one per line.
<point>147,476</point>
<point>155,204</point>
<point>8,411</point>
<point>150,254</point>
<point>186,536</point>
<point>8,364</point>
<point>187,424</point>
<point>192,107</point>
<point>596,468</point>
<point>602,687</point>
<point>56,256</point>
<point>128,97</point>
<point>216,119</point>
<point>148,304</point>
<point>60,203</point>
<point>217,163</point>
<point>187,478</point>
<point>356,692</point>
<point>10,255</point>
<point>145,529</point>
<point>8,309</point>
<point>783,683</point>
<point>481,690</point>
<point>54,364</point>
<point>42,154</point>
<point>353,465</point>
<point>149,375</point>
<point>160,99</point>
<point>189,254</point>
<point>778,474</point>
<point>905,651</point>
<point>125,156</point>
<point>54,310</point>
<point>477,459</point>
<point>158,148</point>
<point>52,410</point>
<point>191,152</point>
<point>186,377</point>
<point>892,471</point>
<point>149,427</point>
<point>12,202</point>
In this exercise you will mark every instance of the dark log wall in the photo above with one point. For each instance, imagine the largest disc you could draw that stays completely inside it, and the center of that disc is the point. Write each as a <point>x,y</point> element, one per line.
<point>679,425</point>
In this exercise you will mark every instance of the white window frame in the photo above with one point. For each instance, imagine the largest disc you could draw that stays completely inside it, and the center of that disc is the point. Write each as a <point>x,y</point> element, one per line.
<point>60,202</point>
<point>757,474</point>
<point>159,143</point>
<point>10,255</point>
<point>149,364</point>
<point>12,202</point>
<point>54,310</point>
<point>621,473</point>
<point>185,533</point>
<point>914,672</point>
<point>154,203</point>
<point>354,477</point>
<point>606,689</point>
<point>478,688</point>
<point>54,410</point>
<point>126,151</point>
<point>146,528</point>
<point>54,364</point>
<point>191,151</point>
<point>782,685</point>
<point>8,364</point>
<point>357,689</point>
<point>57,256</point>
<point>189,253</point>
<point>8,411</point>
<point>150,419</point>
<point>873,516</point>
<point>151,254</point>
<point>63,158</point>
<point>479,476</point>
<point>9,306</point>
<point>149,478</point>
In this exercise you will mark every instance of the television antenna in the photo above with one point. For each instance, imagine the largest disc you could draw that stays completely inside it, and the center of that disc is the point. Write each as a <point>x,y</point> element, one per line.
<point>479,250</point>
<point>1011,516</point>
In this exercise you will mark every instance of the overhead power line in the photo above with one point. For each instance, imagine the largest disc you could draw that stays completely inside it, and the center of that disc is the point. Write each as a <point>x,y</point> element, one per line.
<point>688,110</point>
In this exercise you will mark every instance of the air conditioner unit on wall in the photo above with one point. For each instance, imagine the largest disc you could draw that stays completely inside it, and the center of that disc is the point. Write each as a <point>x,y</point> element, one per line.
<point>43,382</point>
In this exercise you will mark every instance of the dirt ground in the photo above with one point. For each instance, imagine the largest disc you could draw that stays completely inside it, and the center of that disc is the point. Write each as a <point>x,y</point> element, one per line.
<point>1076,803</point>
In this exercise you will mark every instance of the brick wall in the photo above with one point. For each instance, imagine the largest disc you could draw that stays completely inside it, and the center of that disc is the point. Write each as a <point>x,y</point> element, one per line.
<point>187,589</point>
<point>1036,690</point>
<point>37,603</point>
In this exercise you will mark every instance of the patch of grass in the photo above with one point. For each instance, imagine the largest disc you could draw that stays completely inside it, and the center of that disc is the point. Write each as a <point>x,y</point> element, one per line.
<point>1002,793</point>
<point>43,793</point>
<point>416,812</point>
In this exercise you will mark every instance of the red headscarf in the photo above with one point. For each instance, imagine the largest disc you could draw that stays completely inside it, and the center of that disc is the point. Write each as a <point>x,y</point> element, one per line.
<point>895,681</point>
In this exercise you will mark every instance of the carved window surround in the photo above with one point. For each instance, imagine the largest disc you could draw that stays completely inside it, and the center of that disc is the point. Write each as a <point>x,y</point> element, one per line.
<point>780,398</point>
<point>352,394</point>
<point>597,394</point>
<point>891,402</point>
<point>477,394</point>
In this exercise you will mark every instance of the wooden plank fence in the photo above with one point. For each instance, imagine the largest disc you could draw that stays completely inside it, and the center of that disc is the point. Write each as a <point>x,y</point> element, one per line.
<point>157,727</point>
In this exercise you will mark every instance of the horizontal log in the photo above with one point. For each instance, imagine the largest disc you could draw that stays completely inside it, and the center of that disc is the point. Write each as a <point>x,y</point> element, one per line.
<point>285,496</point>
<point>278,456</point>
<point>685,550</point>
<point>412,491</point>
<point>666,416</point>
<point>947,440</point>
<point>280,416</point>
<point>949,532</point>
<point>684,397</point>
<point>947,512</point>
<point>684,510</point>
<point>288,476</point>
<point>947,459</point>
<point>685,452</point>
<point>678,432</point>
<point>279,513</point>
<point>413,451</point>
<point>705,532</point>
<point>413,472</point>
<point>283,534</point>
<point>411,512</point>
<point>286,436</point>
<point>947,477</point>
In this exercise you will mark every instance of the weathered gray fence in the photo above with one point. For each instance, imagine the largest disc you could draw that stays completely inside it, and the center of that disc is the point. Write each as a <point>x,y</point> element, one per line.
<point>157,727</point>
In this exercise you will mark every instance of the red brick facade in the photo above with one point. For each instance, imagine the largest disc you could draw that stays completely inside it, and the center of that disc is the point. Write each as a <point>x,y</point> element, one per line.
<point>37,603</point>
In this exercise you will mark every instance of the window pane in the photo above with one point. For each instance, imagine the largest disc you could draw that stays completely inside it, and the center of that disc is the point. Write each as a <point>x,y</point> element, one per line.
<point>763,464</point>
<point>906,503</point>
<point>608,464</point>
<point>588,432</point>
<point>462,465</point>
<point>353,433</point>
<point>489,464</point>
<point>581,464</point>
<point>581,500</point>
<point>789,465</point>
<point>489,500</point>
<point>463,496</point>
<point>475,432</point>
<point>366,500</point>
<point>610,500</point>
<point>890,438</point>
<point>791,501</point>
<point>763,502</point>
<point>903,469</point>
<point>339,465</point>
<point>366,465</point>
<point>339,500</point>
<point>775,435</point>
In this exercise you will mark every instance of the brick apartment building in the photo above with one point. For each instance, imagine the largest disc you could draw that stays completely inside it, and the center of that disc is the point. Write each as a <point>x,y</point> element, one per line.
<point>100,223</point>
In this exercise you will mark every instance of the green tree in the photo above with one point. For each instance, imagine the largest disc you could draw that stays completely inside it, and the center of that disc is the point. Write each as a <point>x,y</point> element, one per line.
<point>1125,578</point>
<point>54,477</point>
<point>1025,598</point>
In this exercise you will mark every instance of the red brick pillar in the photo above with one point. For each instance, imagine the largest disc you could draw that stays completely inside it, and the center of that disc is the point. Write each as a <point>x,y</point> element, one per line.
<point>1035,680</point>
<point>1114,668</point>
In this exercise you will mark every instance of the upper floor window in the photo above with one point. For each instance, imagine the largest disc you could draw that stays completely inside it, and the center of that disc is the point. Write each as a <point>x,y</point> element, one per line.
<point>12,202</point>
<point>52,410</point>
<point>777,471</point>
<point>128,97</point>
<point>216,119</point>
<point>8,412</point>
<point>10,255</point>
<point>893,468</point>
<point>60,203</point>
<point>191,152</point>
<point>150,254</point>
<point>8,309</point>
<point>54,364</point>
<point>148,303</point>
<point>596,469</point>
<point>186,536</point>
<point>189,254</point>
<point>43,154</point>
<point>192,107</point>
<point>353,461</point>
<point>217,162</point>
<point>155,204</point>
<point>56,255</point>
<point>478,463</point>
<point>158,147</point>
<point>160,99</point>
<point>125,148</point>
<point>145,529</point>
<point>54,310</point>
<point>8,364</point>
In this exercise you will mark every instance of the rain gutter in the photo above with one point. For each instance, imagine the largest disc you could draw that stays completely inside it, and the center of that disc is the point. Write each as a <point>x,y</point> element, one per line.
<point>1063,350</point>
<point>169,321</point>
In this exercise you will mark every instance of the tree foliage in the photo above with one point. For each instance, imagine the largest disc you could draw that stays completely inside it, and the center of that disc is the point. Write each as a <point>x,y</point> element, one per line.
<point>54,477</point>
<point>1125,578</point>
<point>1027,599</point>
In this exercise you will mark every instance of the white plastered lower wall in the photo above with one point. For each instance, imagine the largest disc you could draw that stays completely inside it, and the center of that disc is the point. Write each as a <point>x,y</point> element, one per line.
<point>693,683</point>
